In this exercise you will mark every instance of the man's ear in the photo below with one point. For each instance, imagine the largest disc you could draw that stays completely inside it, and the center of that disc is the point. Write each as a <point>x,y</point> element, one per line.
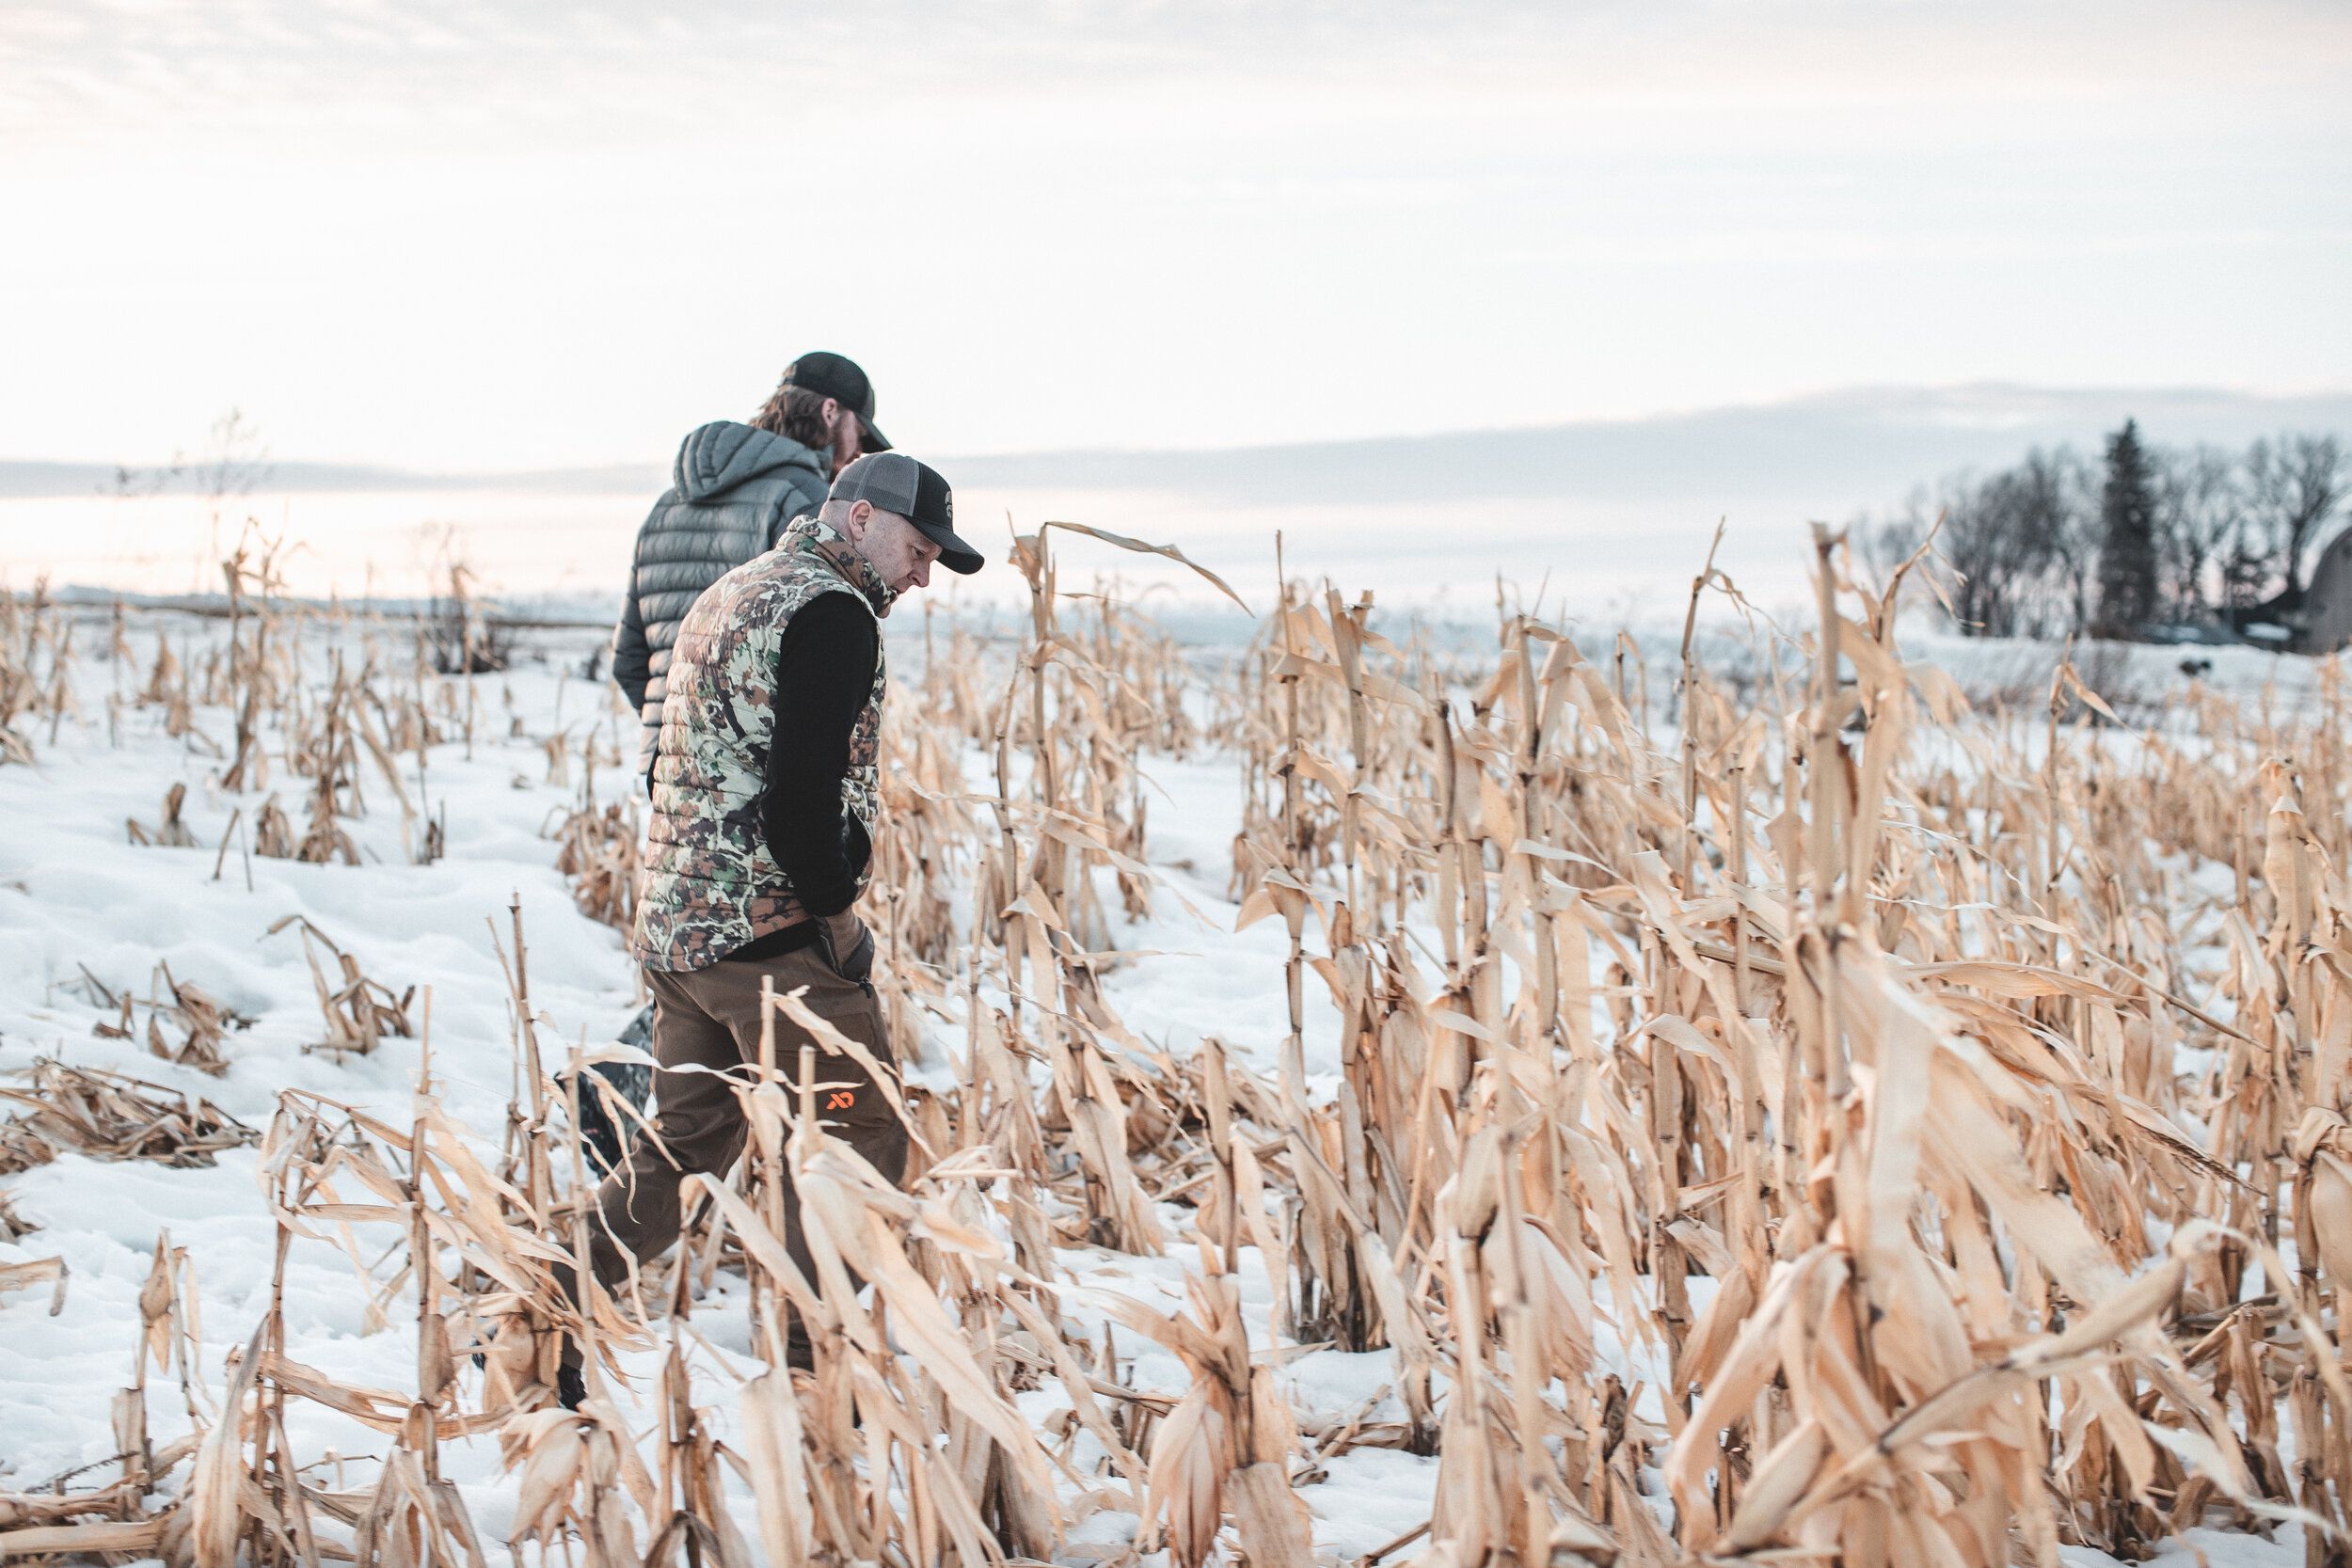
<point>831,412</point>
<point>861,515</point>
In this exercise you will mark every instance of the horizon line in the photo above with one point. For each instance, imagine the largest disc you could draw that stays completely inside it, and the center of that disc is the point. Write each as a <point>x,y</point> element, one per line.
<point>21,477</point>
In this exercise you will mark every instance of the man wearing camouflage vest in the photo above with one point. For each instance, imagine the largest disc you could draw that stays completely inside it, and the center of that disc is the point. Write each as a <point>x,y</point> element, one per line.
<point>734,488</point>
<point>764,797</point>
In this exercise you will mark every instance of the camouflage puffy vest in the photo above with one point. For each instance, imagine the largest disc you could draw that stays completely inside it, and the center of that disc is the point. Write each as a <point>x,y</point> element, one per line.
<point>711,883</point>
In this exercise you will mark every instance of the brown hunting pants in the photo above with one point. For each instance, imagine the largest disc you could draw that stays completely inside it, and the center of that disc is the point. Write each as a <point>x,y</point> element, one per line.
<point>710,1018</point>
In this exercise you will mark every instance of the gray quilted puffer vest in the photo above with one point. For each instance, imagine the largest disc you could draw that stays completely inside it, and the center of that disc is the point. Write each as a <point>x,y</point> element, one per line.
<point>733,490</point>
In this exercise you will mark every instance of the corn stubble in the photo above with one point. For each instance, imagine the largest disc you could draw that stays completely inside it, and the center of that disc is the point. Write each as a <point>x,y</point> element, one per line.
<point>1838,1059</point>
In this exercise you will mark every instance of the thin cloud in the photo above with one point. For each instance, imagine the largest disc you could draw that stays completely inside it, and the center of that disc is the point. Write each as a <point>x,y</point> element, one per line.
<point>504,235</point>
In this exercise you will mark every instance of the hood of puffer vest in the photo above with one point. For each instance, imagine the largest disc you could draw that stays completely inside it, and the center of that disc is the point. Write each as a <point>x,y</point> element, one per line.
<point>723,454</point>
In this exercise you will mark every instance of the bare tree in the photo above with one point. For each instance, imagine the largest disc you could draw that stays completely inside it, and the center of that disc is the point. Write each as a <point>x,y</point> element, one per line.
<point>2059,494</point>
<point>1997,549</point>
<point>2200,508</point>
<point>2244,573</point>
<point>2020,545</point>
<point>2294,484</point>
<point>1882,545</point>
<point>234,465</point>
<point>2025,545</point>
<point>1977,548</point>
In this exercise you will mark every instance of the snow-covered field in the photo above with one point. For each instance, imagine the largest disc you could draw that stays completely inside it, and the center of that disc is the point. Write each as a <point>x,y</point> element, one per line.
<point>79,900</point>
<point>83,907</point>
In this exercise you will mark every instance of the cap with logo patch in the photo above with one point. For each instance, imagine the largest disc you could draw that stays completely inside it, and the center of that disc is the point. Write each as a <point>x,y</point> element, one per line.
<point>838,377</point>
<point>893,481</point>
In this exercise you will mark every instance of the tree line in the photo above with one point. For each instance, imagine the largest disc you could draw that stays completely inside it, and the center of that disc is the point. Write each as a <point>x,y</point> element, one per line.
<point>2136,545</point>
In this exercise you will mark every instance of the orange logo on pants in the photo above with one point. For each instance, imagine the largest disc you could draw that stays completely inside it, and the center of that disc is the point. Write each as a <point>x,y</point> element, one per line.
<point>841,1100</point>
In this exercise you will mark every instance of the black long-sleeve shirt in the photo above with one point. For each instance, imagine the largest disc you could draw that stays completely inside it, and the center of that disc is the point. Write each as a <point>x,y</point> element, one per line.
<point>824,672</point>
<point>632,658</point>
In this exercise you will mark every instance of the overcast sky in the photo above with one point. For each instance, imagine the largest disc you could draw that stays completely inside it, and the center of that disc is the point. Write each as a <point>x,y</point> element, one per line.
<point>499,236</point>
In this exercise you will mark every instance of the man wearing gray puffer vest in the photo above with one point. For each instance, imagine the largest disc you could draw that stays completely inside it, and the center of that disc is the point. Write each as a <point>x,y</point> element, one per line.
<point>734,489</point>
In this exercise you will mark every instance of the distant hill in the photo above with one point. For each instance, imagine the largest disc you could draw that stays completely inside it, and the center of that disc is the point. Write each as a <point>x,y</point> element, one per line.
<point>1597,513</point>
<point>1851,448</point>
<point>1838,449</point>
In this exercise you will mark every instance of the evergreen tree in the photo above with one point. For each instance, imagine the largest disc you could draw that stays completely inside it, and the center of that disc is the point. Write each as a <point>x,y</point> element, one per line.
<point>2127,554</point>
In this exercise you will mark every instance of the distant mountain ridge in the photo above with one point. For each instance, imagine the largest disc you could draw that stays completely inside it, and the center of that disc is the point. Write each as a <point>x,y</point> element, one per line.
<point>1838,449</point>
<point>1862,443</point>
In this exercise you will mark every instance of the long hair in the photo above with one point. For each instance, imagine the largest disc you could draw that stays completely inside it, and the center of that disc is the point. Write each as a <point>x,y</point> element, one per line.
<point>796,414</point>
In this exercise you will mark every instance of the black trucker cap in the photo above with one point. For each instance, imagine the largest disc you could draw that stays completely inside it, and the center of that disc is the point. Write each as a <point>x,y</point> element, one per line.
<point>893,481</point>
<point>838,377</point>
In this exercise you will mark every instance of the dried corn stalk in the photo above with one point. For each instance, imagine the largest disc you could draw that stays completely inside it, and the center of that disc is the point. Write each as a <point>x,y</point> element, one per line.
<point>170,832</point>
<point>598,851</point>
<point>359,1013</point>
<point>1879,1074</point>
<point>110,1115</point>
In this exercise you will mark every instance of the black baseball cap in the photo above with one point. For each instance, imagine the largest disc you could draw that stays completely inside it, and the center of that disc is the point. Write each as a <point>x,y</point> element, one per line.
<point>893,481</point>
<point>838,376</point>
